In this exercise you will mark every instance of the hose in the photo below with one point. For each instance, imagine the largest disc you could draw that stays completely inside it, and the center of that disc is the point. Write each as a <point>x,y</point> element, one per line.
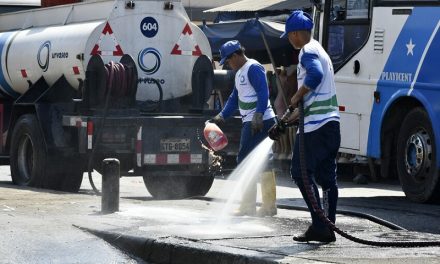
<point>117,76</point>
<point>152,105</point>
<point>311,197</point>
<point>372,218</point>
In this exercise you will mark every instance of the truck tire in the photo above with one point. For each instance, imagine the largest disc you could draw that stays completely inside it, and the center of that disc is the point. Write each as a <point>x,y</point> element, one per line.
<point>71,182</point>
<point>177,187</point>
<point>28,154</point>
<point>416,158</point>
<point>32,166</point>
<point>200,185</point>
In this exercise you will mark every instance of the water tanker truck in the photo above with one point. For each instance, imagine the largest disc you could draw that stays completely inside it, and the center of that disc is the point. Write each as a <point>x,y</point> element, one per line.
<point>120,79</point>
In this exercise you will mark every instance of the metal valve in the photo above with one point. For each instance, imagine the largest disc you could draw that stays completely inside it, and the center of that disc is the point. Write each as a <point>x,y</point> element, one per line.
<point>130,4</point>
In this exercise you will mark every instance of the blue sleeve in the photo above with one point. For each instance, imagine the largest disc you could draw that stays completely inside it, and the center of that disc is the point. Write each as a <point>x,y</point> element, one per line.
<point>257,78</point>
<point>231,105</point>
<point>314,72</point>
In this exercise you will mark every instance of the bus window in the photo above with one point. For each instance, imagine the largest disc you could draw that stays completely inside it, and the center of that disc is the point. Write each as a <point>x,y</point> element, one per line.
<point>357,9</point>
<point>337,12</point>
<point>347,29</point>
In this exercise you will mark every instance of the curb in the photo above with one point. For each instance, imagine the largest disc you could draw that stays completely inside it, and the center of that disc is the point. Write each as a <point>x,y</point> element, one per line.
<point>173,250</point>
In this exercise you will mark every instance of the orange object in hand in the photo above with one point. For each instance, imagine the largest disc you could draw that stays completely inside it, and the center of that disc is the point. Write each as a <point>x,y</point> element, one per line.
<point>215,136</point>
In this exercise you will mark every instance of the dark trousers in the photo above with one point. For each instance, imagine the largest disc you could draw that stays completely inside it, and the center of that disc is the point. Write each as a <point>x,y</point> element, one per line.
<point>321,147</point>
<point>248,141</point>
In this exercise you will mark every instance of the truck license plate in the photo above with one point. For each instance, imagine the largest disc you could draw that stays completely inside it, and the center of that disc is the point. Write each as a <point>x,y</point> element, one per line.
<point>175,145</point>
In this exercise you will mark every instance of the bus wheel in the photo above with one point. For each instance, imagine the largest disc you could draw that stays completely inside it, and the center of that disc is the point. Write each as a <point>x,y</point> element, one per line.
<point>416,158</point>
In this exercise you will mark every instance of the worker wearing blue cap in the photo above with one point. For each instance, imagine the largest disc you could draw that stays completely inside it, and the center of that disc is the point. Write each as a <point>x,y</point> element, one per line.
<point>251,96</point>
<point>321,124</point>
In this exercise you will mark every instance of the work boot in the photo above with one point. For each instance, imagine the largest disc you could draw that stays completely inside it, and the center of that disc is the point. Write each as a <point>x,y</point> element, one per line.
<point>312,234</point>
<point>248,201</point>
<point>268,193</point>
<point>245,211</point>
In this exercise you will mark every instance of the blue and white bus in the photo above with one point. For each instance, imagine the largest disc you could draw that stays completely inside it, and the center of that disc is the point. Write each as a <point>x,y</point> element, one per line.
<point>386,56</point>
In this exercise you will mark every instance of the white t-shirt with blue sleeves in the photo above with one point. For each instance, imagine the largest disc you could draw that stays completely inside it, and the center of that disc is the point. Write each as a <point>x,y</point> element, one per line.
<point>315,71</point>
<point>250,94</point>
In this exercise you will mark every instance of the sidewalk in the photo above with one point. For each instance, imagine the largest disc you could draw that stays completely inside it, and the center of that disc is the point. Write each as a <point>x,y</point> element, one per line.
<point>174,235</point>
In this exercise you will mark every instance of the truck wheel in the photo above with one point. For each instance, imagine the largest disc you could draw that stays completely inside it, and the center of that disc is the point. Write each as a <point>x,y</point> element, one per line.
<point>416,158</point>
<point>32,166</point>
<point>28,153</point>
<point>67,173</point>
<point>71,181</point>
<point>201,185</point>
<point>177,187</point>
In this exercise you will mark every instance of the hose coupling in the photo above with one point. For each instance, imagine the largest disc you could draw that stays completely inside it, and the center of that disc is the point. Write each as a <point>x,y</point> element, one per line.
<point>281,125</point>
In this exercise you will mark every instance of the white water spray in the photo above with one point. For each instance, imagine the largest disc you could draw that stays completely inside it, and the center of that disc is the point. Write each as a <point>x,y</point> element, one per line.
<point>247,172</point>
<point>218,221</point>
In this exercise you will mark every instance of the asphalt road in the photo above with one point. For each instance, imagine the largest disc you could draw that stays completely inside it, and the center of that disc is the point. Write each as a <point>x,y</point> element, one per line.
<point>40,226</point>
<point>385,200</point>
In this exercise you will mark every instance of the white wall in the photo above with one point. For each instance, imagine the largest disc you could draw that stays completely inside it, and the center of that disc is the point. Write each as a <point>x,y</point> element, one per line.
<point>21,2</point>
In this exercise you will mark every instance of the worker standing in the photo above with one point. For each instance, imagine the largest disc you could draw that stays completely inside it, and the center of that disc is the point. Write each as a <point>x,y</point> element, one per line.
<point>321,124</point>
<point>251,96</point>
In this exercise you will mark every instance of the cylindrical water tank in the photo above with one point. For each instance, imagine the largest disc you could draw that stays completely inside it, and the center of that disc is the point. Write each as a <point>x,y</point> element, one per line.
<point>224,80</point>
<point>162,41</point>
<point>26,55</point>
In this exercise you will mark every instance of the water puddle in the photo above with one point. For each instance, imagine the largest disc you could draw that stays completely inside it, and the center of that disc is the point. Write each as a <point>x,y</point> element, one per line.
<point>181,222</point>
<point>217,220</point>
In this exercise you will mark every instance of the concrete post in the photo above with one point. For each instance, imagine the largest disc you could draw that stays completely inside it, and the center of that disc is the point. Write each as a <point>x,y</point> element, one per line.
<point>110,186</point>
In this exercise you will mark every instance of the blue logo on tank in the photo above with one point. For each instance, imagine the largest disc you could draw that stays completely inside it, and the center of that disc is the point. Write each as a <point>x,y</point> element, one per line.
<point>149,60</point>
<point>43,56</point>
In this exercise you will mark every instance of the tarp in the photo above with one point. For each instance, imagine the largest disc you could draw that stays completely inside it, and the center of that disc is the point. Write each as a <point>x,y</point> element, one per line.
<point>277,16</point>
<point>249,34</point>
<point>268,5</point>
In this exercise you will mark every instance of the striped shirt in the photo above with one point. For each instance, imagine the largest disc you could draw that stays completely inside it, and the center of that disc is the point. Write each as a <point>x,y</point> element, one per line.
<point>315,71</point>
<point>250,93</point>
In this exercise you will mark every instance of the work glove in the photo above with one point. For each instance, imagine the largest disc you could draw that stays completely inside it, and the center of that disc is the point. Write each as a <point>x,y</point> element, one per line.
<point>218,120</point>
<point>275,131</point>
<point>257,123</point>
<point>291,117</point>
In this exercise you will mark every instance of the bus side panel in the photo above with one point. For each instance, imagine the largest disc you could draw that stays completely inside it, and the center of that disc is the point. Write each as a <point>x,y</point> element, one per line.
<point>355,89</point>
<point>403,71</point>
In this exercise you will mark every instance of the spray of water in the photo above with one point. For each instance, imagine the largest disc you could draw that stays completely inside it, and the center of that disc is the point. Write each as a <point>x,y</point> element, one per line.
<point>246,173</point>
<point>217,222</point>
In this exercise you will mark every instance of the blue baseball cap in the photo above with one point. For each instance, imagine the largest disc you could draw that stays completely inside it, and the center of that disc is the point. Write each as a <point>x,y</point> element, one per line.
<point>227,49</point>
<point>298,20</point>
